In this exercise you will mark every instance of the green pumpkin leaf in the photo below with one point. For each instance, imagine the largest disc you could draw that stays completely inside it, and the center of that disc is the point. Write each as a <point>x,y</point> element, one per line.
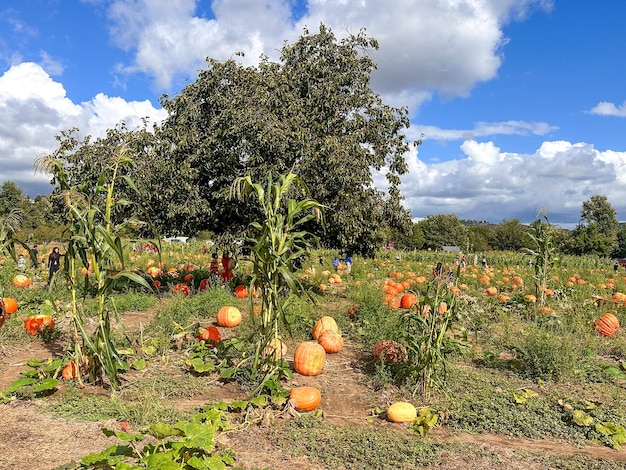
<point>138,364</point>
<point>581,418</point>
<point>198,365</point>
<point>198,435</point>
<point>44,385</point>
<point>162,461</point>
<point>162,430</point>
<point>35,363</point>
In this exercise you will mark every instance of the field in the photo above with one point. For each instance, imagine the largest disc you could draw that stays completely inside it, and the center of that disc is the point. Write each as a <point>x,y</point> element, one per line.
<point>502,375</point>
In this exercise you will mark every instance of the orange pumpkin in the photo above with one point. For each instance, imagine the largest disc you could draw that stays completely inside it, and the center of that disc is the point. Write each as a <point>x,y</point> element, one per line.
<point>607,325</point>
<point>491,291</point>
<point>309,358</point>
<point>331,342</point>
<point>188,278</point>
<point>305,398</point>
<point>69,371</point>
<point>408,300</point>
<point>37,323</point>
<point>228,316</point>
<point>20,281</point>
<point>211,335</point>
<point>182,288</point>
<point>10,305</point>
<point>323,324</point>
<point>154,271</point>
<point>204,285</point>
<point>241,292</point>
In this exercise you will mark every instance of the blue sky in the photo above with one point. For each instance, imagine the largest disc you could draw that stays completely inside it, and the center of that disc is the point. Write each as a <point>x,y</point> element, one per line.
<point>521,102</point>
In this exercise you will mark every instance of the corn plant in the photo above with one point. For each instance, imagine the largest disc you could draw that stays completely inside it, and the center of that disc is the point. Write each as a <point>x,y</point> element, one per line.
<point>542,236</point>
<point>276,242</point>
<point>94,241</point>
<point>430,338</point>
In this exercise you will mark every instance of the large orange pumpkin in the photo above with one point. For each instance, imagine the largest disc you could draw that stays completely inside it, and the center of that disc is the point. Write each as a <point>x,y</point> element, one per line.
<point>331,342</point>
<point>228,316</point>
<point>323,324</point>
<point>305,398</point>
<point>309,358</point>
<point>20,280</point>
<point>607,325</point>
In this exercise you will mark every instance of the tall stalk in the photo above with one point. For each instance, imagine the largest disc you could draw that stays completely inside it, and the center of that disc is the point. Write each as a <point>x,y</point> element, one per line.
<point>276,242</point>
<point>95,241</point>
<point>542,235</point>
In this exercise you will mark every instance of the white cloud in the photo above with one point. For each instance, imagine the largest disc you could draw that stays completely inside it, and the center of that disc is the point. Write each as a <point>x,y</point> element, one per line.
<point>34,109</point>
<point>483,129</point>
<point>425,45</point>
<point>493,185</point>
<point>605,108</point>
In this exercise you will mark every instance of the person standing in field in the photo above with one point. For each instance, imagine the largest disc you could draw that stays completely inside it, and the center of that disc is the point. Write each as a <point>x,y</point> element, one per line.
<point>35,259</point>
<point>54,263</point>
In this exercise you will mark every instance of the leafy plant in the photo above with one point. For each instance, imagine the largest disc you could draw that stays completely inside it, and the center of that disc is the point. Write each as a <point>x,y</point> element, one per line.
<point>39,380</point>
<point>277,242</point>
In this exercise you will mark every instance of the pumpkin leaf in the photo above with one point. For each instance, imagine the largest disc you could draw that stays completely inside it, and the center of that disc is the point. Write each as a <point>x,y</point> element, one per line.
<point>45,385</point>
<point>238,405</point>
<point>581,418</point>
<point>138,364</point>
<point>123,435</point>
<point>198,435</point>
<point>162,430</point>
<point>200,366</point>
<point>162,461</point>
<point>19,384</point>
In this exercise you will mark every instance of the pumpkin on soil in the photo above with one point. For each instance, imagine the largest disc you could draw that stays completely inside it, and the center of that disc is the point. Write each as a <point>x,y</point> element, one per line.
<point>331,342</point>
<point>309,358</point>
<point>37,323</point>
<point>391,351</point>
<point>401,412</point>
<point>182,288</point>
<point>211,335</point>
<point>323,324</point>
<point>228,316</point>
<point>21,281</point>
<point>607,325</point>
<point>305,398</point>
<point>69,371</point>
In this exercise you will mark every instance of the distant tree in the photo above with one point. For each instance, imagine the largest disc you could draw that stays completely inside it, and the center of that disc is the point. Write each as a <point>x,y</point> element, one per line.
<point>620,251</point>
<point>11,197</point>
<point>443,230</point>
<point>597,231</point>
<point>509,235</point>
<point>479,238</point>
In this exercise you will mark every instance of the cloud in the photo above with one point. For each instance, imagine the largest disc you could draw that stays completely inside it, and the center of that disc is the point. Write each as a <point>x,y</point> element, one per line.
<point>34,109</point>
<point>446,46</point>
<point>605,108</point>
<point>492,185</point>
<point>486,129</point>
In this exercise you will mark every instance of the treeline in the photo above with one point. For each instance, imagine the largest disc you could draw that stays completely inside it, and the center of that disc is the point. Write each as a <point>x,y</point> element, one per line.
<point>598,233</point>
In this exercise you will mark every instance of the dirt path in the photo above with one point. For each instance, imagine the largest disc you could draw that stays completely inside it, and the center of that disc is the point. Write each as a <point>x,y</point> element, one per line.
<point>34,440</point>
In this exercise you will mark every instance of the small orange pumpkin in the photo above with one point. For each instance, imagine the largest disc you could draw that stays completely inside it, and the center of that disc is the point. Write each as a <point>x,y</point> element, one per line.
<point>10,305</point>
<point>21,281</point>
<point>241,292</point>
<point>309,358</point>
<point>69,371</point>
<point>228,316</point>
<point>305,398</point>
<point>37,323</point>
<point>211,335</point>
<point>331,342</point>
<point>182,288</point>
<point>408,300</point>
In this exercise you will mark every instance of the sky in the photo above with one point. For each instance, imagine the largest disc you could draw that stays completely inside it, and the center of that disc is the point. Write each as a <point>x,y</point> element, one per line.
<point>520,103</point>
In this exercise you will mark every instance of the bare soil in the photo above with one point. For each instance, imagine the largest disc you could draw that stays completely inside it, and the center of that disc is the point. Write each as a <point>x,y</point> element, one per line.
<point>34,440</point>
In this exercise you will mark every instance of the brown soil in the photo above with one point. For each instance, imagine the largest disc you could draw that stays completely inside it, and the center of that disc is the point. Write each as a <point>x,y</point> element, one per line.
<point>32,439</point>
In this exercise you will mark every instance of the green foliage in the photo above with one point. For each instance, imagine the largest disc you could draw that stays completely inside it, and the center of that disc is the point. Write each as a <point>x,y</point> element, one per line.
<point>443,230</point>
<point>38,381</point>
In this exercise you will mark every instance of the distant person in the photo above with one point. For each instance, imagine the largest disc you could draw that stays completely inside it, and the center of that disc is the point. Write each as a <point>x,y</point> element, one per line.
<point>616,267</point>
<point>35,259</point>
<point>484,262</point>
<point>228,264</point>
<point>21,262</point>
<point>348,264</point>
<point>438,271</point>
<point>54,263</point>
<point>336,264</point>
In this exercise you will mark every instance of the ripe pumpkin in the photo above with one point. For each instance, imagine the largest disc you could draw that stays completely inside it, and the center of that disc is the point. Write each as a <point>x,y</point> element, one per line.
<point>154,271</point>
<point>391,351</point>
<point>408,300</point>
<point>491,291</point>
<point>323,324</point>
<point>401,412</point>
<point>331,342</point>
<point>607,325</point>
<point>228,316</point>
<point>21,281</point>
<point>204,285</point>
<point>305,398</point>
<point>211,335</point>
<point>182,288</point>
<point>241,292</point>
<point>188,278</point>
<point>37,323</point>
<point>309,358</point>
<point>69,371</point>
<point>10,305</point>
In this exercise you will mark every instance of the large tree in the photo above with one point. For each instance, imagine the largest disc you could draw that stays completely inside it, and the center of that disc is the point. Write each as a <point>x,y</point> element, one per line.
<point>443,230</point>
<point>509,235</point>
<point>312,113</point>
